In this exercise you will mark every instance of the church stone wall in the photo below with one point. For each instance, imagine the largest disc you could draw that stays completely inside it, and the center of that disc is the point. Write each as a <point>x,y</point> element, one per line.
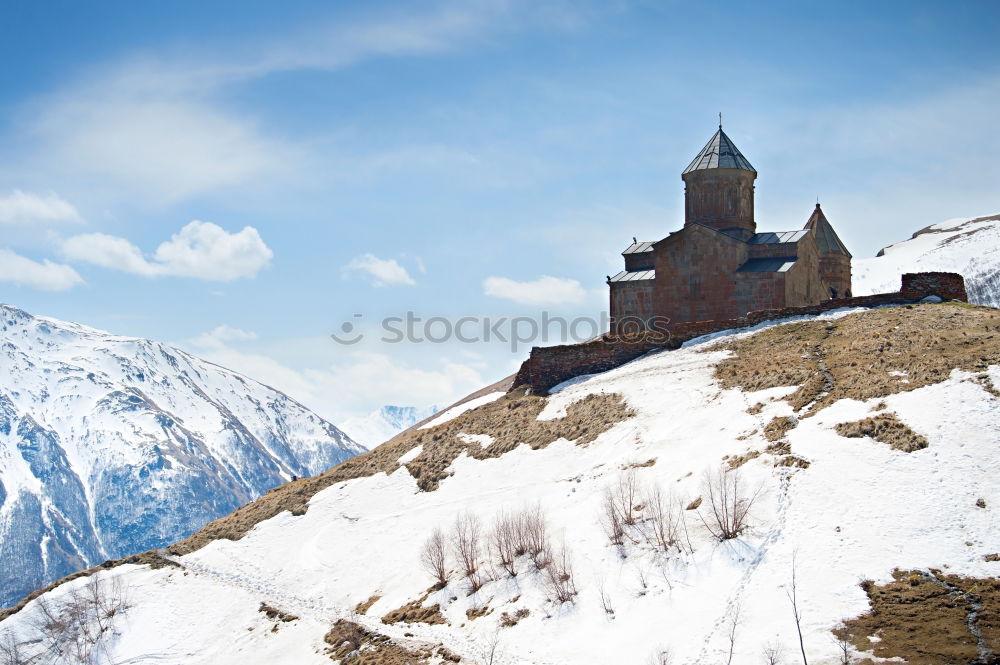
<point>549,366</point>
<point>721,199</point>
<point>694,275</point>
<point>632,301</point>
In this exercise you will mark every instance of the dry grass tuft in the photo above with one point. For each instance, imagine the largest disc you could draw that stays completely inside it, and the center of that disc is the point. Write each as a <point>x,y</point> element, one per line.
<point>511,421</point>
<point>476,612</point>
<point>510,619</point>
<point>888,429</point>
<point>352,644</point>
<point>363,607</point>
<point>778,427</point>
<point>867,355</point>
<point>275,614</point>
<point>415,612</point>
<point>942,606</point>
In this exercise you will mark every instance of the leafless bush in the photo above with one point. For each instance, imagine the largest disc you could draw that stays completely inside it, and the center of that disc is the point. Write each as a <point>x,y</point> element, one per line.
<point>729,504</point>
<point>75,628</point>
<point>504,539</point>
<point>466,542</point>
<point>605,598</point>
<point>733,624</point>
<point>662,528</point>
<point>560,586</point>
<point>661,656</point>
<point>434,557</point>
<point>627,497</point>
<point>844,651</point>
<point>533,536</point>
<point>772,653</point>
<point>793,598</point>
<point>611,519</point>
<point>13,652</point>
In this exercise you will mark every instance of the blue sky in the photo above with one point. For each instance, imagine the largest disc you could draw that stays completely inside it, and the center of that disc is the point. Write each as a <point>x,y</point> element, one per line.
<point>241,178</point>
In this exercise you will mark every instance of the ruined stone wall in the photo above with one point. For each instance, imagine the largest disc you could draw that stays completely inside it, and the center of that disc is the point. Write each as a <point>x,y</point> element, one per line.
<point>549,366</point>
<point>947,285</point>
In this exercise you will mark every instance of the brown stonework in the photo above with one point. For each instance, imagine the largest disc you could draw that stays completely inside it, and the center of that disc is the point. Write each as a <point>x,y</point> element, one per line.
<point>549,366</point>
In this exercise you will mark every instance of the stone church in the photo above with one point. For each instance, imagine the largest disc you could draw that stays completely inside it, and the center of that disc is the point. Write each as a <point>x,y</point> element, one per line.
<point>718,266</point>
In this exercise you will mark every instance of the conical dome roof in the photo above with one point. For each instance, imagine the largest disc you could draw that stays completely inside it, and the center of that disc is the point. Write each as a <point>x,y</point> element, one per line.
<point>720,153</point>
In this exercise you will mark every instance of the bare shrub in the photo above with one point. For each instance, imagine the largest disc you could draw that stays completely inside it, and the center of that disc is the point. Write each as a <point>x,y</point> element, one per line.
<point>74,629</point>
<point>504,542</point>
<point>558,581</point>
<point>733,624</point>
<point>13,652</point>
<point>434,558</point>
<point>605,598</point>
<point>611,520</point>
<point>661,656</point>
<point>729,504</point>
<point>664,515</point>
<point>772,653</point>
<point>844,651</point>
<point>466,543</point>
<point>533,536</point>
<point>627,497</point>
<point>793,598</point>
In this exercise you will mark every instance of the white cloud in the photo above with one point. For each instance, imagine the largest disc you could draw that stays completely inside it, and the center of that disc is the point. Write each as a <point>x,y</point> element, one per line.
<point>219,336</point>
<point>546,290</point>
<point>384,272</point>
<point>46,276</point>
<point>23,207</point>
<point>201,250</point>
<point>155,127</point>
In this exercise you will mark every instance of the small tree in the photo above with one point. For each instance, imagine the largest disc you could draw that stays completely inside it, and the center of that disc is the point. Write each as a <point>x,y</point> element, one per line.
<point>729,504</point>
<point>560,586</point>
<point>504,543</point>
<point>611,520</point>
<point>466,542</point>
<point>793,598</point>
<point>533,536</point>
<point>772,653</point>
<point>434,558</point>
<point>662,529</point>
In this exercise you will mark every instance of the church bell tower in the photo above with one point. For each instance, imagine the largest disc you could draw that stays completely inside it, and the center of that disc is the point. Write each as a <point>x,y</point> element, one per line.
<point>719,188</point>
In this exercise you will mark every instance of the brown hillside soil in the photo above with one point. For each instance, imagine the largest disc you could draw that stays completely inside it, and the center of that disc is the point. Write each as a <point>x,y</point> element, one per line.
<point>364,606</point>
<point>888,429</point>
<point>351,644</point>
<point>924,618</point>
<point>511,421</point>
<point>856,356</point>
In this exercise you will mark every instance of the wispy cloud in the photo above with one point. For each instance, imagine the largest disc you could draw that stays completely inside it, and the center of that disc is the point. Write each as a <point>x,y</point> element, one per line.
<point>220,336</point>
<point>45,276</point>
<point>546,290</point>
<point>201,250</point>
<point>383,272</point>
<point>20,207</point>
<point>158,128</point>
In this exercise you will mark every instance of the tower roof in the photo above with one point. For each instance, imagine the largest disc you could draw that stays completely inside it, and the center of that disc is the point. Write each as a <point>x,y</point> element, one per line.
<point>826,238</point>
<point>719,153</point>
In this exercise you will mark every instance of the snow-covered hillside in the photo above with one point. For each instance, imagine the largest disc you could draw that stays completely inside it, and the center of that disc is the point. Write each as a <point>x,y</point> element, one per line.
<point>844,508</point>
<point>970,247</point>
<point>384,423</point>
<point>112,445</point>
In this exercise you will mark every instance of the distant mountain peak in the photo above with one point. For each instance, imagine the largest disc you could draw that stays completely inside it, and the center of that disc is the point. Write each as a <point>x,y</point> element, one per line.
<point>384,423</point>
<point>110,445</point>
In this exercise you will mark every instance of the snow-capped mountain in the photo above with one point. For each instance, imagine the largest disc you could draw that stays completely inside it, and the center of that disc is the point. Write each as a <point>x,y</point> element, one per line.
<point>970,247</point>
<point>112,445</point>
<point>581,527</point>
<point>382,424</point>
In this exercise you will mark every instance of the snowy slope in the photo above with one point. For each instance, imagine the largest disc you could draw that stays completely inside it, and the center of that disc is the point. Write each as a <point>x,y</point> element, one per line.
<point>967,246</point>
<point>384,423</point>
<point>112,445</point>
<point>858,511</point>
